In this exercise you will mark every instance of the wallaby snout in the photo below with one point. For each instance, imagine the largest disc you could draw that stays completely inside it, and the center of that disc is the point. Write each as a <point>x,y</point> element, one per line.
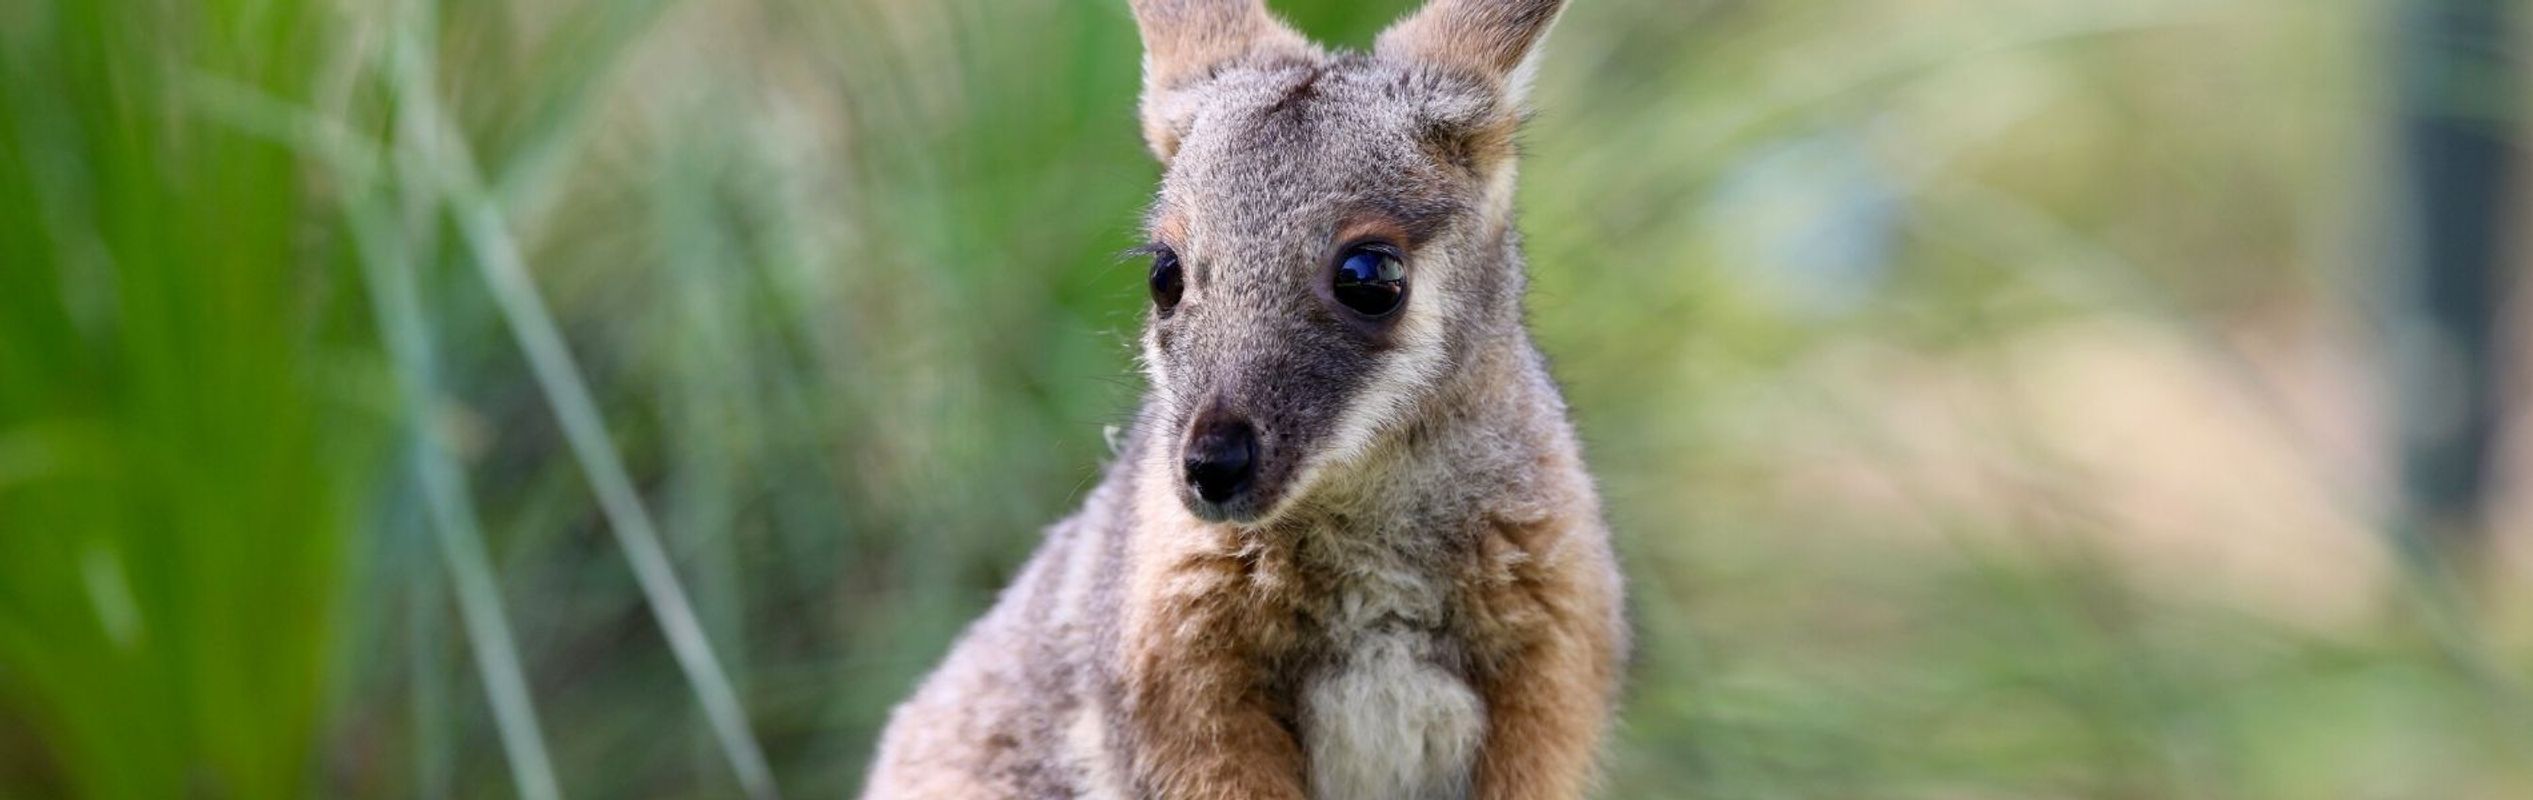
<point>1221,460</point>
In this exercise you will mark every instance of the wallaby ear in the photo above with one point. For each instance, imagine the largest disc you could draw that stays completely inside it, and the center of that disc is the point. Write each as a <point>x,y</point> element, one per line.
<point>1184,40</point>
<point>1489,38</point>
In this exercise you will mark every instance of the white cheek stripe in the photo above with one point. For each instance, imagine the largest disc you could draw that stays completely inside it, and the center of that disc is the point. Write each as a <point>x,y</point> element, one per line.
<point>1415,366</point>
<point>1418,364</point>
<point>1156,370</point>
<point>1397,380</point>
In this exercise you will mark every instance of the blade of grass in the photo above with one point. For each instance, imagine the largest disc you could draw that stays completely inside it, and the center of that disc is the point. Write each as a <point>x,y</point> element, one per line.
<point>708,408</point>
<point>497,257</point>
<point>394,289</point>
<point>453,519</point>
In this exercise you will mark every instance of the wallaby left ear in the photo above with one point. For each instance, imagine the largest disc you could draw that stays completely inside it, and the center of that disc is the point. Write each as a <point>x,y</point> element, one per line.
<point>1185,40</point>
<point>1489,38</point>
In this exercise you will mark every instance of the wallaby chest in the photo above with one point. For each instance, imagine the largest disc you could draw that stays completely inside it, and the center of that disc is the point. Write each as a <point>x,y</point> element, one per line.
<point>1386,713</point>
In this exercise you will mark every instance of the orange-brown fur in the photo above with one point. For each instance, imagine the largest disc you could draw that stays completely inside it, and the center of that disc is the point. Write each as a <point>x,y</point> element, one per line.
<point>1218,610</point>
<point>1445,562</point>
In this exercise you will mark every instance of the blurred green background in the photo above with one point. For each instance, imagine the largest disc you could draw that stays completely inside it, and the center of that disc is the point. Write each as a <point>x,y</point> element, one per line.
<point>631,398</point>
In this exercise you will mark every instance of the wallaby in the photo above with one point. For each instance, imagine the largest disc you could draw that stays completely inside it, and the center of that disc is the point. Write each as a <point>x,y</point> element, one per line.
<point>1348,549</point>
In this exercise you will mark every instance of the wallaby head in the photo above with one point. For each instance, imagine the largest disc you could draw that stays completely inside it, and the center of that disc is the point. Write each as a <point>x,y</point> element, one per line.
<point>1332,237</point>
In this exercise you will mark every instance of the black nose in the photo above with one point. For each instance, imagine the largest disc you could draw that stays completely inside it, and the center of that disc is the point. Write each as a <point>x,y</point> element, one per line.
<point>1222,454</point>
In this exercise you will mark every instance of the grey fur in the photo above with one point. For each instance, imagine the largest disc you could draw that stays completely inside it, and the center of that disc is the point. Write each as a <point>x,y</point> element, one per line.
<point>1389,448</point>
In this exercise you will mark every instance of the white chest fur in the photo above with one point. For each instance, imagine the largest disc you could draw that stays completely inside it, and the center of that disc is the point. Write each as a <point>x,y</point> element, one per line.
<point>1387,723</point>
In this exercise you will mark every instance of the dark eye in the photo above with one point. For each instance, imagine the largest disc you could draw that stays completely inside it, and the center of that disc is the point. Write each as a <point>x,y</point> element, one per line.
<point>1370,280</point>
<point>1166,280</point>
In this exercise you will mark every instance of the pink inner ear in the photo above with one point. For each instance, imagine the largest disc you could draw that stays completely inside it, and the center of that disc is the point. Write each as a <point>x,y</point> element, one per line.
<point>1488,37</point>
<point>1185,39</point>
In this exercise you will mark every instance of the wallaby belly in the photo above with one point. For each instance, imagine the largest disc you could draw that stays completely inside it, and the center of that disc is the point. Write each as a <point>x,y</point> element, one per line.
<point>1386,720</point>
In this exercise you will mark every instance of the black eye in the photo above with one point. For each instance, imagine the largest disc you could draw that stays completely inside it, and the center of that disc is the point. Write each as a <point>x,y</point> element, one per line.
<point>1166,281</point>
<point>1370,280</point>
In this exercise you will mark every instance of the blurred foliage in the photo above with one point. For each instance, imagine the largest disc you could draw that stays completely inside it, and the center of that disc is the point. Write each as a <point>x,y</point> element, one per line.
<point>1852,299</point>
<point>179,418</point>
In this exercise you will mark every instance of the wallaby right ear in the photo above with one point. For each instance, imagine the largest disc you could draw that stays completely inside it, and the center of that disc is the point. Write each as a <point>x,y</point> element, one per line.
<point>1184,40</point>
<point>1493,39</point>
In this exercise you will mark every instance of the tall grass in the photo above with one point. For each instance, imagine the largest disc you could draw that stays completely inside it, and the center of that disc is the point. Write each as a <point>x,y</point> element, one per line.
<point>183,406</point>
<point>597,399</point>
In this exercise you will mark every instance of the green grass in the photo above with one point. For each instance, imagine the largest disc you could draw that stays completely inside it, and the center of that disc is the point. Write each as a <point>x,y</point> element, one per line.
<point>599,399</point>
<point>182,402</point>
